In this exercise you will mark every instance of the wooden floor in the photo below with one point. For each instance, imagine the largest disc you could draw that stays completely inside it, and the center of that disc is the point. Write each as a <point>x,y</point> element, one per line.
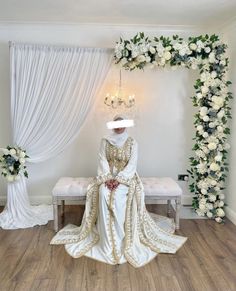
<point>206,262</point>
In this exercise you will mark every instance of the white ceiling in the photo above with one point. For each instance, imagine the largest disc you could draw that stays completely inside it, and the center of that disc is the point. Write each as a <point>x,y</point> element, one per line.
<point>158,12</point>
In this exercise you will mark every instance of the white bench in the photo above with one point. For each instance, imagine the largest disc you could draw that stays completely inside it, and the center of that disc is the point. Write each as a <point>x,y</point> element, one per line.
<point>155,188</point>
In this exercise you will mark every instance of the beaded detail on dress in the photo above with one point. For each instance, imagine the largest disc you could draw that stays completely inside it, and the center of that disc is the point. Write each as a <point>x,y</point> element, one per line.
<point>118,158</point>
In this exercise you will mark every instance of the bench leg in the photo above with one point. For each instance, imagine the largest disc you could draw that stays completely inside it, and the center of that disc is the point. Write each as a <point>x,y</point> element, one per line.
<point>177,212</point>
<point>168,207</point>
<point>62,207</point>
<point>55,214</point>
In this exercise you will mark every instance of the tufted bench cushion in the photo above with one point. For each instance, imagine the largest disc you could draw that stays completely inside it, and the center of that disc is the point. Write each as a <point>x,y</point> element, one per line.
<point>155,188</point>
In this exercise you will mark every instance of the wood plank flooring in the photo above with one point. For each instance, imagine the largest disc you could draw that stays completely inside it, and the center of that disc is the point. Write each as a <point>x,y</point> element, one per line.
<point>206,262</point>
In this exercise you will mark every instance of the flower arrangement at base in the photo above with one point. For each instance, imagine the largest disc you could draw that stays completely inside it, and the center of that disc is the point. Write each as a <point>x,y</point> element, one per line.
<point>208,165</point>
<point>12,162</point>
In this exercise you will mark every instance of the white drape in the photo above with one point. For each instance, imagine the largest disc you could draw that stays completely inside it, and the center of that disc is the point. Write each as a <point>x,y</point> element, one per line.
<point>52,90</point>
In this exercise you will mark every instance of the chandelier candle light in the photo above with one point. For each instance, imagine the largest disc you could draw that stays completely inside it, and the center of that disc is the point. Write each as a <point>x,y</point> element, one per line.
<point>119,98</point>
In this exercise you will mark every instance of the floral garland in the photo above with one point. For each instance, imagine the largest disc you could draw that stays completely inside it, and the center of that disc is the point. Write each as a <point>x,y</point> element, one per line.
<point>207,53</point>
<point>12,162</point>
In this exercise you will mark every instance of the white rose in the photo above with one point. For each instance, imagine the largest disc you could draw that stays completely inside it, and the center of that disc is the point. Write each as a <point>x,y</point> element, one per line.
<point>141,59</point>
<point>211,124</point>
<point>223,62</point>
<point>204,89</point>
<point>206,118</point>
<point>212,198</point>
<point>148,59</point>
<point>167,55</point>
<point>212,146</point>
<point>204,192</point>
<point>212,57</point>
<point>22,160</point>
<point>134,54</point>
<point>218,219</point>
<point>221,203</point>
<point>177,46</point>
<point>200,213</point>
<point>193,46</point>
<point>218,101</point>
<point>11,168</point>
<point>214,167</point>
<point>218,158</point>
<point>12,152</point>
<point>219,128</point>
<point>152,50</point>
<point>203,111</point>
<point>202,207</point>
<point>205,134</point>
<point>220,212</point>
<point>213,74</point>
<point>207,49</point>
<point>209,206</point>
<point>199,95</point>
<point>222,196</point>
<point>213,182</point>
<point>216,107</point>
<point>209,214</point>
<point>199,127</point>
<point>182,52</point>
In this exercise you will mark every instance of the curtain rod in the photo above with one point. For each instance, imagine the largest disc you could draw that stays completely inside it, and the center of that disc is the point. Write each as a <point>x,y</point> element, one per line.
<point>13,43</point>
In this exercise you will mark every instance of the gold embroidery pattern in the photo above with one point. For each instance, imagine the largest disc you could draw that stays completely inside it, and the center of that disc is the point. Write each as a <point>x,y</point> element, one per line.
<point>118,157</point>
<point>146,226</point>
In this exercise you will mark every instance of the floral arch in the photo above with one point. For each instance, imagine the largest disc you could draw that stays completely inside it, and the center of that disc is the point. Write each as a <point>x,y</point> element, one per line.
<point>208,164</point>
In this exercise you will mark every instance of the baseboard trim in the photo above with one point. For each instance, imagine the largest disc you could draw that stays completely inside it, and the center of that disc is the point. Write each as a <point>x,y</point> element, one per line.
<point>186,200</point>
<point>230,214</point>
<point>46,199</point>
<point>34,200</point>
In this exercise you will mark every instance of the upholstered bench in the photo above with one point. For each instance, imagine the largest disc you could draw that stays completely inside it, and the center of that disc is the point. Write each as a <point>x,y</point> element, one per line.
<point>155,188</point>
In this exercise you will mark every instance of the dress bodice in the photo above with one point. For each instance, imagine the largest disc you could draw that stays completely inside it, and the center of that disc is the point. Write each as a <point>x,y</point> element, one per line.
<point>118,157</point>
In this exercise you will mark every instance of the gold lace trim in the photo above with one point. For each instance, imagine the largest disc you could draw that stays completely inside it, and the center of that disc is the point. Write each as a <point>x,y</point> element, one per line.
<point>118,157</point>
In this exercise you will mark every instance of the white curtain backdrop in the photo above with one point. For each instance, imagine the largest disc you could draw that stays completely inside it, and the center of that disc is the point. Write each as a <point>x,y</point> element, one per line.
<point>52,90</point>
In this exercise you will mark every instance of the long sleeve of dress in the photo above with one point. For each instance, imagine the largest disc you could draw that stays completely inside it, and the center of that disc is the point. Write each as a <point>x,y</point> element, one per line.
<point>129,171</point>
<point>103,171</point>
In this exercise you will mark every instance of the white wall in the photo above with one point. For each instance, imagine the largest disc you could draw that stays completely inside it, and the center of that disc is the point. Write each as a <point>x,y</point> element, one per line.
<point>229,33</point>
<point>164,128</point>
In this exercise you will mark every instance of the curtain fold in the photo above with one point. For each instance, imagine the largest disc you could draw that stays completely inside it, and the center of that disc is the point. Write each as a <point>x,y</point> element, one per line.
<point>52,91</point>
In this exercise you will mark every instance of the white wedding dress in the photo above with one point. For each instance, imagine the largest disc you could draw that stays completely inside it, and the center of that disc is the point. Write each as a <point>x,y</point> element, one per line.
<point>116,227</point>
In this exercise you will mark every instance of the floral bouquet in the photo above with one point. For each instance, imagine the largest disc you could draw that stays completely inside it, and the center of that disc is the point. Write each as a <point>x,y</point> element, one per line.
<point>12,162</point>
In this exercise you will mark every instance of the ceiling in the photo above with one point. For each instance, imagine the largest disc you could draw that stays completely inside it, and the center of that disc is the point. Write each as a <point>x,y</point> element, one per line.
<point>156,12</point>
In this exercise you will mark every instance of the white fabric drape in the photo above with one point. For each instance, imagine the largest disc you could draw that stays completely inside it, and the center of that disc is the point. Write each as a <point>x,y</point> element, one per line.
<point>52,90</point>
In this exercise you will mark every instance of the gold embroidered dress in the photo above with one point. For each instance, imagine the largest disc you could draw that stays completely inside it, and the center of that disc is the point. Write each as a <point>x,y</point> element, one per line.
<point>116,227</point>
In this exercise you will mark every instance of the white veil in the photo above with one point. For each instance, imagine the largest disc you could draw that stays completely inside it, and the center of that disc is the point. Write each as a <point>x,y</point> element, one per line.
<point>117,139</point>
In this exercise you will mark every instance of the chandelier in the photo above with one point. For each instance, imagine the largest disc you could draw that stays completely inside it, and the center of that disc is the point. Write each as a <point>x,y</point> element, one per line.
<point>119,99</point>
